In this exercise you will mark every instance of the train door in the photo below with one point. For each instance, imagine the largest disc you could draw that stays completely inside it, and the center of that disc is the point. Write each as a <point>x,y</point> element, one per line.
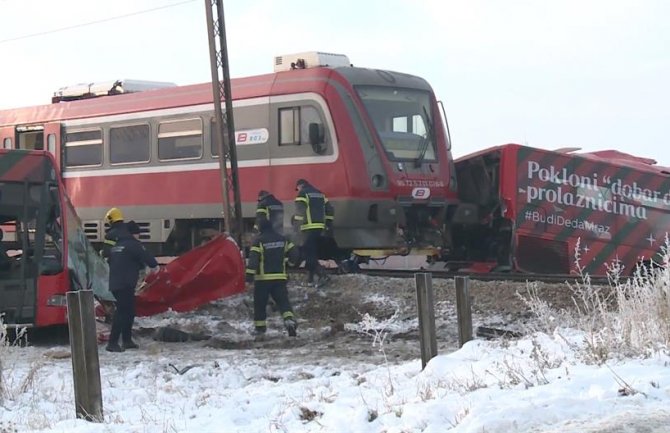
<point>52,137</point>
<point>302,137</point>
<point>7,137</point>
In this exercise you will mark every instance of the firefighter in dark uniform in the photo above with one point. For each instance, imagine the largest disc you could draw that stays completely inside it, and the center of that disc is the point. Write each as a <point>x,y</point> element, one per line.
<point>314,214</point>
<point>126,258</point>
<point>117,228</point>
<point>269,208</point>
<point>266,268</point>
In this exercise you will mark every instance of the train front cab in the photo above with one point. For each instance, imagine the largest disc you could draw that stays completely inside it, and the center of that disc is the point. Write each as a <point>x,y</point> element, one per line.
<point>43,252</point>
<point>406,164</point>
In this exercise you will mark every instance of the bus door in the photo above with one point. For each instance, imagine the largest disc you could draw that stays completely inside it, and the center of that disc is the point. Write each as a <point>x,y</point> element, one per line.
<point>7,137</point>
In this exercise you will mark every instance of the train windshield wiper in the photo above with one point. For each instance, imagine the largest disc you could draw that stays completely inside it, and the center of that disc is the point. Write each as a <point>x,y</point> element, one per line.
<point>425,141</point>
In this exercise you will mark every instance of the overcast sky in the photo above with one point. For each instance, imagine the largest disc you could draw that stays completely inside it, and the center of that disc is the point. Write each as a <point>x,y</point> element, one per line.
<point>591,74</point>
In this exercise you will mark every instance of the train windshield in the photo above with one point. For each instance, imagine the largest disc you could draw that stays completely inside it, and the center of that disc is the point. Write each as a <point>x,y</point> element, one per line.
<point>402,118</point>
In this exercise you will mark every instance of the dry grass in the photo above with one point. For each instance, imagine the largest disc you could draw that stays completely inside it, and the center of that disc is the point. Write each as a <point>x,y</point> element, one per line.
<point>630,318</point>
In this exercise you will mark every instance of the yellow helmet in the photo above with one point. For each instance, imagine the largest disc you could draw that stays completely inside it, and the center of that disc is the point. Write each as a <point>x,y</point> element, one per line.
<point>113,215</point>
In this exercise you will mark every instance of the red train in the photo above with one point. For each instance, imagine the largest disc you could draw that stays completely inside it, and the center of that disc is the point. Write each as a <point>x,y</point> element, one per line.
<point>538,208</point>
<point>374,141</point>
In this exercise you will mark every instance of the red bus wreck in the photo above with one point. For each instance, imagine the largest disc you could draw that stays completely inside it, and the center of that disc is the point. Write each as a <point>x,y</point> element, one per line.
<point>44,253</point>
<point>537,208</point>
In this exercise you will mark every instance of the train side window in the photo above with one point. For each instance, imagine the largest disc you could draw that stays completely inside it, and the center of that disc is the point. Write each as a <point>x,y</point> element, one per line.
<point>83,148</point>
<point>289,126</point>
<point>7,143</point>
<point>30,138</point>
<point>180,139</point>
<point>128,144</point>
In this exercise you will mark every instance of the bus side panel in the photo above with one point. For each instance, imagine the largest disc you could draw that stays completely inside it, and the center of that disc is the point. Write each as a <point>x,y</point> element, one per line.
<point>644,202</point>
<point>558,204</point>
<point>605,212</point>
<point>51,289</point>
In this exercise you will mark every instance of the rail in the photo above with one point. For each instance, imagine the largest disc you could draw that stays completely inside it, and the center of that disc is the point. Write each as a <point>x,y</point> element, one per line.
<point>491,276</point>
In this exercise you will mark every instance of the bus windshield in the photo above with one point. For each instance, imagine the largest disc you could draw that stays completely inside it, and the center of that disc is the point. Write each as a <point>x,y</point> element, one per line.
<point>88,271</point>
<point>31,244</point>
<point>43,249</point>
<point>402,119</point>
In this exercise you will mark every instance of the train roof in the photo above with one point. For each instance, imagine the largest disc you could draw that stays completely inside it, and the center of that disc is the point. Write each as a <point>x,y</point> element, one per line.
<point>609,156</point>
<point>278,83</point>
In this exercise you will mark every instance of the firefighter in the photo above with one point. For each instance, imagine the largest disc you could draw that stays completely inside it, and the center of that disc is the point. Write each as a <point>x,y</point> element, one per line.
<point>117,228</point>
<point>266,268</point>
<point>269,208</point>
<point>314,215</point>
<point>126,258</point>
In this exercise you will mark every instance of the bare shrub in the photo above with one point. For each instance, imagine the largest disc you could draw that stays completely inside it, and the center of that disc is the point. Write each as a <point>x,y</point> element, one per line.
<point>630,317</point>
<point>378,330</point>
<point>11,384</point>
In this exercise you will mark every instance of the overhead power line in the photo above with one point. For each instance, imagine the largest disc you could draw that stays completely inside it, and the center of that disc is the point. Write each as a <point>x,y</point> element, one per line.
<point>90,23</point>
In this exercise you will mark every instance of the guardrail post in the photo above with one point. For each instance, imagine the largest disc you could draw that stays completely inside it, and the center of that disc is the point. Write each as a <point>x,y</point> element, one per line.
<point>84,348</point>
<point>426,309</point>
<point>463,310</point>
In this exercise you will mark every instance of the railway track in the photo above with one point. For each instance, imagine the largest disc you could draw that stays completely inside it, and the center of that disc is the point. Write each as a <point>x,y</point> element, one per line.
<point>491,276</point>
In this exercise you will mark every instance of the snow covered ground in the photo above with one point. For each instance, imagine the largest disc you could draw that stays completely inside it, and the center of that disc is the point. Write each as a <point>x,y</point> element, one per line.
<point>344,381</point>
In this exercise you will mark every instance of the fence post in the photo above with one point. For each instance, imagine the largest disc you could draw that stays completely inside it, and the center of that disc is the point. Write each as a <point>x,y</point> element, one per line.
<point>426,310</point>
<point>463,310</point>
<point>84,348</point>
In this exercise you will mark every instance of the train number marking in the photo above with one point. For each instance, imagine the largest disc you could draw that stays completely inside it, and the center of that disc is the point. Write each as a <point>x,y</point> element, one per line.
<point>421,193</point>
<point>252,136</point>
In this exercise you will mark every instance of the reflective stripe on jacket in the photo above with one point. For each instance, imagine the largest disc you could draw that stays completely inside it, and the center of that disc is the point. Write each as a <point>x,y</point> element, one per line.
<point>270,209</point>
<point>311,209</point>
<point>268,257</point>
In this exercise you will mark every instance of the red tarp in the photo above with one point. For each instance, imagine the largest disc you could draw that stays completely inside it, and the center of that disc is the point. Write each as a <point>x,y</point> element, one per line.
<point>211,271</point>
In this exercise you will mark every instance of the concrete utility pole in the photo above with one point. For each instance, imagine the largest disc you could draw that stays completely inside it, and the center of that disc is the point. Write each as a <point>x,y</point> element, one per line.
<point>218,57</point>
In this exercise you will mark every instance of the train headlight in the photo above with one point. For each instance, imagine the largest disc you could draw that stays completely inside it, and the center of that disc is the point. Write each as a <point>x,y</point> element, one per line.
<point>377,181</point>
